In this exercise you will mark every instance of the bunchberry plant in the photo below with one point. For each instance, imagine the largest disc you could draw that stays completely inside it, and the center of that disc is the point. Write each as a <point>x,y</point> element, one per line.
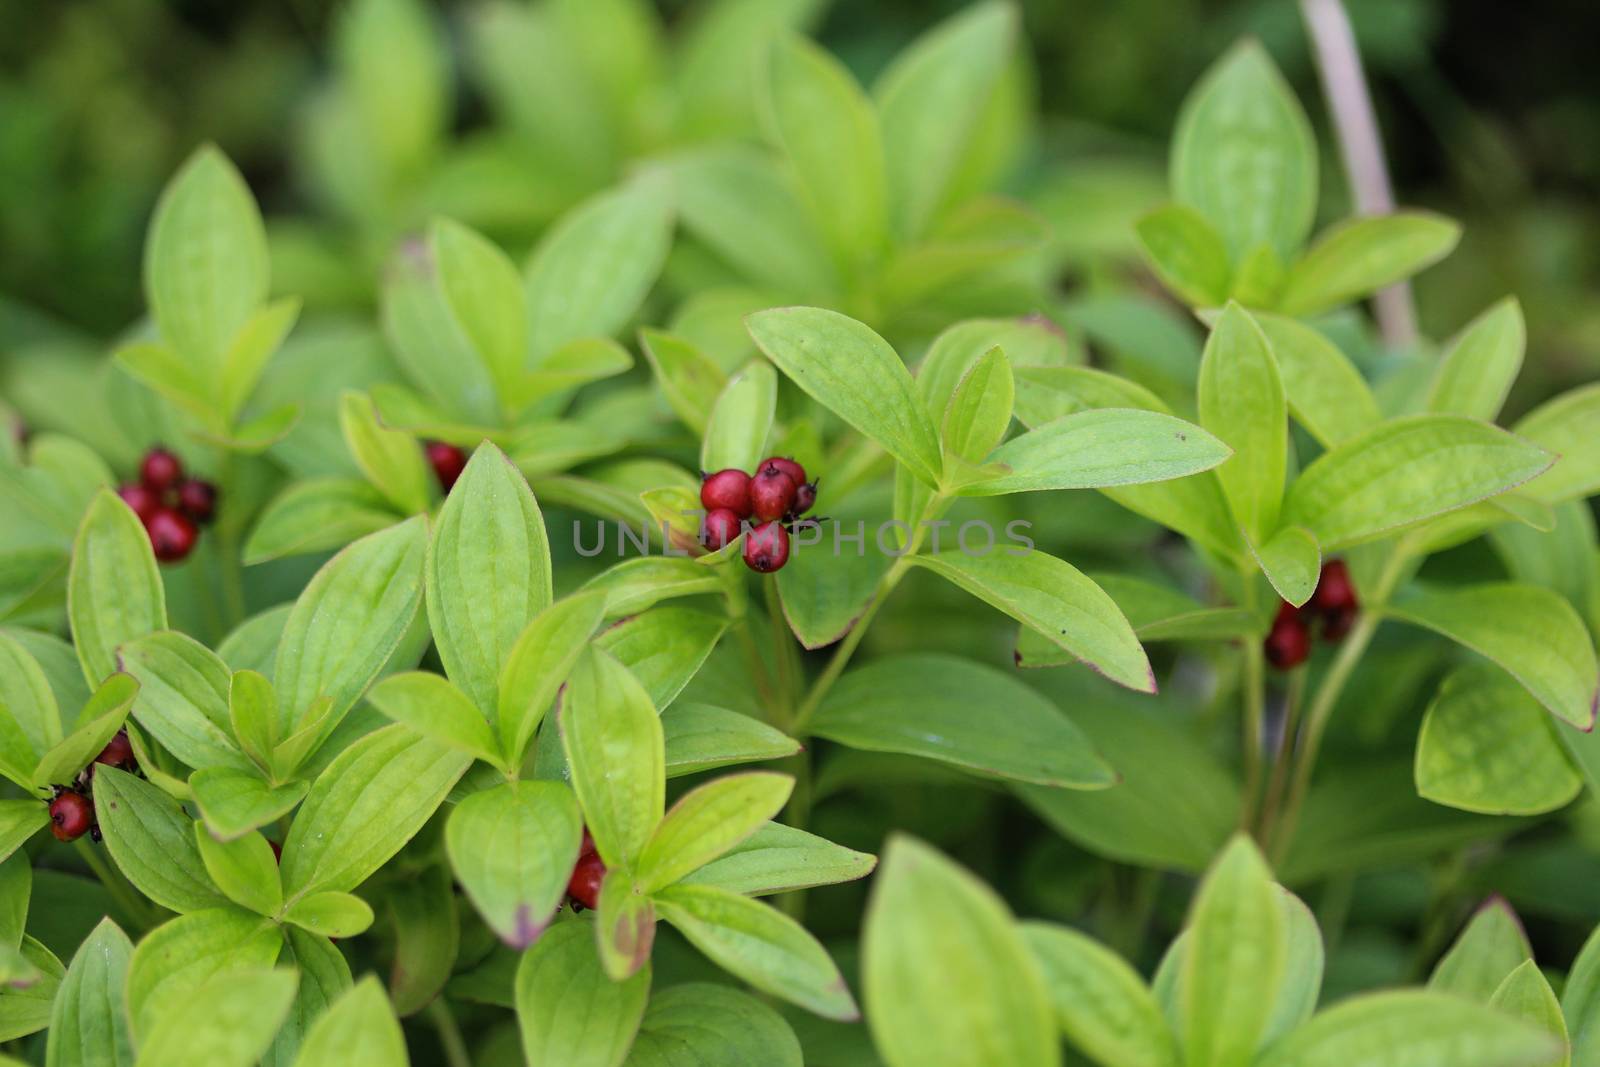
<point>1241,652</point>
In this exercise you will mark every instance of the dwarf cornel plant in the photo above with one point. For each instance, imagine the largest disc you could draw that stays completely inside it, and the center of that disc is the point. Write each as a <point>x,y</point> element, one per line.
<point>565,597</point>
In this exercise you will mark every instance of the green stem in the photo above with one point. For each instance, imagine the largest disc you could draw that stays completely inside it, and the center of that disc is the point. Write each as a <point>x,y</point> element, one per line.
<point>797,813</point>
<point>444,1023</point>
<point>134,906</point>
<point>1328,693</point>
<point>1280,759</point>
<point>1254,683</point>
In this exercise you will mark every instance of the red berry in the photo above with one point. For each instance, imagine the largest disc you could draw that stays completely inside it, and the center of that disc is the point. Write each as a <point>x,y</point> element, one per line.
<point>161,470</point>
<point>767,547</point>
<point>587,874</point>
<point>805,497</point>
<point>721,529</point>
<point>727,490</point>
<point>771,493</point>
<point>172,534</point>
<point>118,751</point>
<point>144,501</point>
<point>277,850</point>
<point>1335,591</point>
<point>1288,643</point>
<point>796,473</point>
<point>71,816</point>
<point>447,462</point>
<point>197,499</point>
<point>586,847</point>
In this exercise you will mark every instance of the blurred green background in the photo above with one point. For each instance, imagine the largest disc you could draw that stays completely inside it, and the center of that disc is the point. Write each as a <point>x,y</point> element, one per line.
<point>1489,113</point>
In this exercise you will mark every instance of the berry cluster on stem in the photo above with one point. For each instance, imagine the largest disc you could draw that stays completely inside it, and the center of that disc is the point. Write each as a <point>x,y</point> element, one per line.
<point>171,506</point>
<point>763,506</point>
<point>1333,606</point>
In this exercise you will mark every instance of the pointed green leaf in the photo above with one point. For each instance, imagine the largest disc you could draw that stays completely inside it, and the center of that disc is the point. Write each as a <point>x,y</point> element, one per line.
<point>253,714</point>
<point>1486,952</point>
<point>250,350</point>
<point>330,914</point>
<point>778,858</point>
<point>114,590</point>
<point>20,820</point>
<point>391,459</point>
<point>624,926</point>
<point>434,708</point>
<point>979,412</point>
<point>1478,368</point>
<point>1242,401</point>
<point>689,379</point>
<point>537,666</point>
<point>513,848</point>
<point>317,514</point>
<point>152,842</point>
<point>244,869</point>
<point>1103,1005</point>
<point>613,742</point>
<point>484,292</point>
<point>1569,427</point>
<point>183,698</point>
<point>1292,562</point>
<point>88,1023</point>
<point>741,420</point>
<point>947,974</point>
<point>702,1023</point>
<point>97,724</point>
<point>242,1012</point>
<point>1055,598</point>
<point>235,802</point>
<point>852,371</point>
<point>701,737</point>
<point>570,1013</point>
<point>1362,255</point>
<point>1326,393</point>
<point>1187,253</point>
<point>177,959</point>
<point>1526,995</point>
<point>664,647</point>
<point>707,821</point>
<point>358,1030</point>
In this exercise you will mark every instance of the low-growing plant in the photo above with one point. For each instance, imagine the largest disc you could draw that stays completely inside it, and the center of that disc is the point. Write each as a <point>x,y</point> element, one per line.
<point>440,683</point>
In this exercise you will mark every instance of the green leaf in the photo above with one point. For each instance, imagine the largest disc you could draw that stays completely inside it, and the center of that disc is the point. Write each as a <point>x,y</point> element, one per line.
<point>205,262</point>
<point>613,742</point>
<point>391,459</point>
<point>1361,255</point>
<point>1292,562</point>
<point>88,1024</point>
<point>929,705</point>
<point>624,926</point>
<point>436,709</point>
<point>488,572</point>
<point>538,664</point>
<point>97,724</point>
<point>741,419</point>
<point>30,720</point>
<point>1103,1005</point>
<point>701,737</point>
<point>182,382</point>
<point>1187,254</point>
<point>1236,956</point>
<point>183,698</point>
<point>251,349</point>
<point>819,117</point>
<point>636,584</point>
<point>422,913</point>
<point>1242,401</point>
<point>349,621</point>
<point>242,1011</point>
<point>330,914</point>
<point>1100,448</point>
<point>1489,949</point>
<point>1404,471</point>
<point>1481,363</point>
<point>948,978</point>
<point>1243,155</point>
<point>1304,962</point>
<point>593,269</point>
<point>428,339</point>
<point>760,945</point>
<point>233,803</point>
<point>28,1009</point>
<point>1160,613</point>
<point>663,648</point>
<point>778,858</point>
<point>484,292</point>
<point>1569,426</point>
<point>570,1013</point>
<point>852,371</point>
<point>1409,1028</point>
<point>707,822</point>
<point>179,958</point>
<point>114,590</point>
<point>698,1023</point>
<point>1326,393</point>
<point>19,820</point>
<point>1580,1003</point>
<point>244,869</point>
<point>152,842</point>
<point>931,102</point>
<point>513,848</point>
<point>369,802</point>
<point>317,514</point>
<point>689,379</point>
<point>253,714</point>
<point>1487,746</point>
<point>1526,995</point>
<point>358,1030</point>
<point>979,412</point>
<point>1534,634</point>
<point>1055,598</point>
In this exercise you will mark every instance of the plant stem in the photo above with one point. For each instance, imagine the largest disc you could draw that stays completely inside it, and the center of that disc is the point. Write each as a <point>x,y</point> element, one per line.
<point>133,905</point>
<point>1254,683</point>
<point>1356,126</point>
<point>1328,693</point>
<point>444,1022</point>
<point>1280,759</point>
<point>782,649</point>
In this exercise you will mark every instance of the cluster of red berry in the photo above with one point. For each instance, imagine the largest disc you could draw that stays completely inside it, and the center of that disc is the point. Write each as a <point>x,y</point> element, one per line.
<point>583,888</point>
<point>447,462</point>
<point>776,495</point>
<point>72,808</point>
<point>171,506</point>
<point>1334,605</point>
